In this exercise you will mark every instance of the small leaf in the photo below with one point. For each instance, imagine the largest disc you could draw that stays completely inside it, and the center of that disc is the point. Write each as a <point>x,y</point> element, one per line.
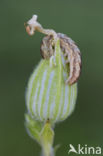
<point>33,127</point>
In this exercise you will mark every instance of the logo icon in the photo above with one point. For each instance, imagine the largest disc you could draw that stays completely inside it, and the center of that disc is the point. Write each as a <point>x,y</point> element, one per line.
<point>72,149</point>
<point>85,150</point>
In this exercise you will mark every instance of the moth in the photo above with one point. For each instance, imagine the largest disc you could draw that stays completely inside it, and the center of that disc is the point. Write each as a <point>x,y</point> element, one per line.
<point>68,46</point>
<point>71,53</point>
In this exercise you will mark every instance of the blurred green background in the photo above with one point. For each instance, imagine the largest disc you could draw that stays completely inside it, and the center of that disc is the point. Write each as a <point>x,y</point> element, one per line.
<point>82,20</point>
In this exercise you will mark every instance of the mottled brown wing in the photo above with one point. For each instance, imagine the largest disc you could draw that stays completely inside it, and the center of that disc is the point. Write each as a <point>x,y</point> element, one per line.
<point>73,55</point>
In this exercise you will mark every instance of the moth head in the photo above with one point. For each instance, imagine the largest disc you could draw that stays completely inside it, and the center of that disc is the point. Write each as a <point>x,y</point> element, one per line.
<point>47,47</point>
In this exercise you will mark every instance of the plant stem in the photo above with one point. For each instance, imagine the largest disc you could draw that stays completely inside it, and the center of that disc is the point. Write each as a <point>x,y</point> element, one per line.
<point>47,138</point>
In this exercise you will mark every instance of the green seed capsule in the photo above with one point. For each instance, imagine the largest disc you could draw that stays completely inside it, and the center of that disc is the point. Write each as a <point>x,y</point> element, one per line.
<point>48,96</point>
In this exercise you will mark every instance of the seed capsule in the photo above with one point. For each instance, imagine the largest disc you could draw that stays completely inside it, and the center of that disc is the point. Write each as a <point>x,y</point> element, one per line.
<point>47,96</point>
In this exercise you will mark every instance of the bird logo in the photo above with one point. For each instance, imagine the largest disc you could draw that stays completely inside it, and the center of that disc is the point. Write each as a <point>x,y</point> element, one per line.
<point>72,149</point>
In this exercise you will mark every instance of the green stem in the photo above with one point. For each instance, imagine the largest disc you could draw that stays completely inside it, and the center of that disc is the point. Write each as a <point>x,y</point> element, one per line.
<point>47,137</point>
<point>45,153</point>
<point>42,133</point>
